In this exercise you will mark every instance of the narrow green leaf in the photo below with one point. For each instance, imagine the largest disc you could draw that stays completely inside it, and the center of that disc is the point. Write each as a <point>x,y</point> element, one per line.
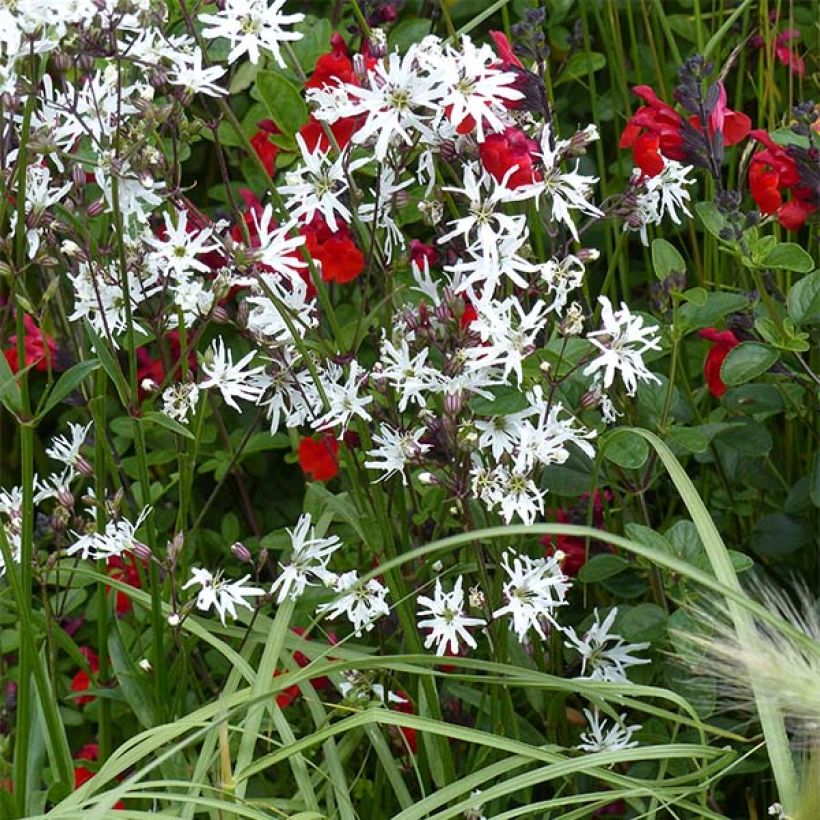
<point>67,383</point>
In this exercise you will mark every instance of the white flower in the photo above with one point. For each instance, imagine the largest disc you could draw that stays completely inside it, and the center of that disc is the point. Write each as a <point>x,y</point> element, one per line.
<point>319,185</point>
<point>485,224</point>
<point>410,375</point>
<point>233,380</point>
<point>605,656</point>
<point>308,561</point>
<point>664,194</point>
<point>180,400</point>
<point>603,738</point>
<point>344,401</point>
<point>223,595</point>
<point>535,588</point>
<point>622,341</point>
<point>190,74</point>
<point>393,100</point>
<point>276,249</point>
<point>68,452</point>
<point>251,24</point>
<point>567,190</point>
<point>561,277</point>
<point>179,250</point>
<point>474,88</point>
<point>508,334</point>
<point>443,615</point>
<point>394,451</point>
<point>515,493</point>
<point>363,604</point>
<point>117,538</point>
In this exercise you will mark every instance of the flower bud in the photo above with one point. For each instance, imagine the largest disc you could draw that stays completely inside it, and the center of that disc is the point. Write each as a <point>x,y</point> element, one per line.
<point>427,478</point>
<point>95,208</point>
<point>145,665</point>
<point>142,551</point>
<point>241,552</point>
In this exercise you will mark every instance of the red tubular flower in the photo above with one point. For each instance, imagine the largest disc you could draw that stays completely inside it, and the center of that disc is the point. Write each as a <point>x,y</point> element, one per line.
<point>574,548</point>
<point>82,680</point>
<point>505,51</point>
<point>722,342</point>
<point>313,133</point>
<point>665,125</point>
<point>265,149</point>
<point>787,55</point>
<point>334,68</point>
<point>406,707</point>
<point>39,347</point>
<point>419,252</point>
<point>124,568</point>
<point>772,172</point>
<point>319,459</point>
<point>508,150</point>
<point>340,257</point>
<point>288,695</point>
<point>91,751</point>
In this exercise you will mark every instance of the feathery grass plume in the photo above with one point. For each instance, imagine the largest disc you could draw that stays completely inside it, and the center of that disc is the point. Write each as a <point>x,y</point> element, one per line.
<point>781,659</point>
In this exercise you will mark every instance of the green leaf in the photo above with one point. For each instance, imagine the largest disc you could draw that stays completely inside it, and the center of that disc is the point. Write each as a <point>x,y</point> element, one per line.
<point>167,422</point>
<point>243,77</point>
<point>749,438</point>
<point>687,440</point>
<point>506,400</point>
<point>644,622</point>
<point>408,32</point>
<point>778,534</point>
<point>711,217</point>
<point>626,449</point>
<point>747,361</point>
<point>804,300</point>
<point>581,65</point>
<point>602,566</point>
<point>789,256</point>
<point>67,383</point>
<point>666,260</point>
<point>693,316</point>
<point>754,399</point>
<point>283,101</point>
<point>314,43</point>
<point>814,480</point>
<point>109,363</point>
<point>130,678</point>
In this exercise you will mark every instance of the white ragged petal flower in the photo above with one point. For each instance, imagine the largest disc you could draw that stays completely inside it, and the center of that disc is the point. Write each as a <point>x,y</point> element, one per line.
<point>250,25</point>
<point>665,194</point>
<point>234,381</point>
<point>408,374</point>
<point>602,738</point>
<point>394,451</point>
<point>605,656</point>
<point>344,401</point>
<point>221,594</point>
<point>362,603</point>
<point>308,560</point>
<point>67,450</point>
<point>622,340</point>
<point>443,615</point>
<point>561,277</point>
<point>178,250</point>
<point>118,537</point>
<point>189,73</point>
<point>535,588</point>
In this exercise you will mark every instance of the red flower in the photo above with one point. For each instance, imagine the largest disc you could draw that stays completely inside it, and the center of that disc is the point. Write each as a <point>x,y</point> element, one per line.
<point>313,133</point>
<point>38,345</point>
<point>153,370</point>
<point>505,51</point>
<point>319,459</point>
<point>265,149</point>
<point>91,751</point>
<point>665,125</point>
<point>340,257</point>
<point>789,56</point>
<point>335,68</point>
<point>406,707</point>
<point>722,342</point>
<point>510,152</point>
<point>288,695</point>
<point>419,252</point>
<point>573,547</point>
<point>82,680</point>
<point>772,172</point>
<point>124,569</point>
